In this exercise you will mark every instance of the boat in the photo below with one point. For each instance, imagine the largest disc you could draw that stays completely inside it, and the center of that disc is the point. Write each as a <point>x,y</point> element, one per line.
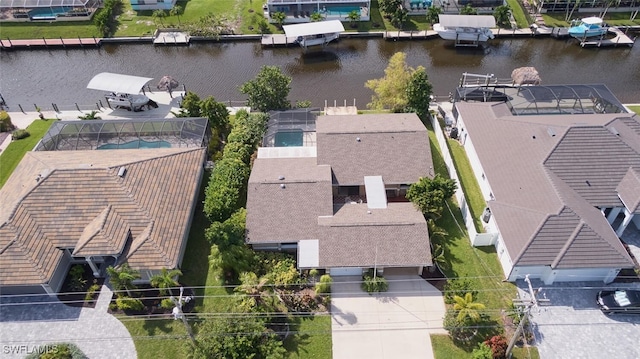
<point>588,27</point>
<point>313,34</point>
<point>465,29</point>
<point>123,91</point>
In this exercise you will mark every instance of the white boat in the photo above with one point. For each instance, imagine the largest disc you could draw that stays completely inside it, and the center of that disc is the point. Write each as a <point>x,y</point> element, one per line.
<point>123,90</point>
<point>465,28</point>
<point>314,33</point>
<point>125,100</point>
<point>588,27</point>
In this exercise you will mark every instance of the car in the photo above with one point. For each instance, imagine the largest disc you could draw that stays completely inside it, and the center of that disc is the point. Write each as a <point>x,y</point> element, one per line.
<point>622,301</point>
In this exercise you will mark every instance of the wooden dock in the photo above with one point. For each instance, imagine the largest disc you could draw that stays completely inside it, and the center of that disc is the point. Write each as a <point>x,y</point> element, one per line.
<point>170,37</point>
<point>620,39</point>
<point>44,43</point>
<point>277,40</point>
<point>408,35</point>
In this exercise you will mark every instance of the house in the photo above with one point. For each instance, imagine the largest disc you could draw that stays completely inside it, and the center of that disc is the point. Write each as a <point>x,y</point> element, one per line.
<point>298,11</point>
<point>69,203</point>
<point>559,168</point>
<point>337,200</point>
<point>138,5</point>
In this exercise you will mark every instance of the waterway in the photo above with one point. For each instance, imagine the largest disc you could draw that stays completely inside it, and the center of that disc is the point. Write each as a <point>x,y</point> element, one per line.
<point>337,74</point>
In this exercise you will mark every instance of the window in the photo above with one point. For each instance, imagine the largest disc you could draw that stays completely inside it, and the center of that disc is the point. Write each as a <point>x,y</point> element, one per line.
<point>349,190</point>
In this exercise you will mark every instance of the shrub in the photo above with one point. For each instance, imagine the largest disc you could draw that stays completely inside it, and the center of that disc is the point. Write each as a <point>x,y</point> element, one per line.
<point>459,331</point>
<point>5,122</point>
<point>458,287</point>
<point>324,285</point>
<point>126,304</point>
<point>167,303</point>
<point>76,278</point>
<point>20,134</point>
<point>483,351</point>
<point>91,292</point>
<point>498,345</point>
<point>372,284</point>
<point>57,351</point>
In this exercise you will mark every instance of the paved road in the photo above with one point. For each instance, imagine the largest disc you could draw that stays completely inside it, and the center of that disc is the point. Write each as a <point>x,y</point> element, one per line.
<point>97,333</point>
<point>391,325</point>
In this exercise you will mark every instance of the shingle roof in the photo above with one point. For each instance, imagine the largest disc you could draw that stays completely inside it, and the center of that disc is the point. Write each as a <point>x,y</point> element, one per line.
<point>80,201</point>
<point>395,146</point>
<point>536,167</point>
<point>629,190</point>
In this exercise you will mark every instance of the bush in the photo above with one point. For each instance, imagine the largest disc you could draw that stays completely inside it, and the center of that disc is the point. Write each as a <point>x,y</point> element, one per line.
<point>372,284</point>
<point>57,351</point>
<point>76,278</point>
<point>459,331</point>
<point>324,285</point>
<point>127,304</point>
<point>482,352</point>
<point>5,122</point>
<point>498,345</point>
<point>458,287</point>
<point>91,292</point>
<point>167,303</point>
<point>20,134</point>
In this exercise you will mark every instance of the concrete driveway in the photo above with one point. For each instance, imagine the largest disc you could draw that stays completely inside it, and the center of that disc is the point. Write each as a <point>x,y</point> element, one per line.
<point>395,324</point>
<point>572,326</point>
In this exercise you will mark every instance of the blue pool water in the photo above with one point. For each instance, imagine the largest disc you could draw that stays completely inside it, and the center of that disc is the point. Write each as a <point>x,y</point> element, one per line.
<point>341,10</point>
<point>49,11</point>
<point>288,139</point>
<point>135,144</point>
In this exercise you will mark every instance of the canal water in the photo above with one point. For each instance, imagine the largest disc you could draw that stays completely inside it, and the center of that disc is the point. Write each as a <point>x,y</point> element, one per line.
<point>337,74</point>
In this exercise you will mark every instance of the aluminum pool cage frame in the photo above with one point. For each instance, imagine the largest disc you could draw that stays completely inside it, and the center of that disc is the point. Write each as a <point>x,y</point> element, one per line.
<point>91,134</point>
<point>297,120</point>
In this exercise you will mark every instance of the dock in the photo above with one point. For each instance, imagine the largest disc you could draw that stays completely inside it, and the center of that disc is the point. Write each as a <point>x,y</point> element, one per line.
<point>44,43</point>
<point>409,35</point>
<point>620,39</point>
<point>170,37</point>
<point>275,40</point>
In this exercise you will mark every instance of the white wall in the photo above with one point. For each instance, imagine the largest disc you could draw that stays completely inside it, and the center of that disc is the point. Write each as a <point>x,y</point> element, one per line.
<point>549,276</point>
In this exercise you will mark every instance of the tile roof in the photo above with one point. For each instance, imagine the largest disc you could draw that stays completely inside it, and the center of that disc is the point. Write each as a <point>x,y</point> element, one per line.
<point>394,146</point>
<point>80,202</point>
<point>629,190</point>
<point>537,167</point>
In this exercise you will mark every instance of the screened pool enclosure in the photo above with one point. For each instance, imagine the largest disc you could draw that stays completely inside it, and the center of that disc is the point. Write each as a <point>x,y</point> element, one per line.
<point>126,134</point>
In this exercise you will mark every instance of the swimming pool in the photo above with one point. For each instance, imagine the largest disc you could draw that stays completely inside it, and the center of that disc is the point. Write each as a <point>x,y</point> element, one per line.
<point>46,12</point>
<point>341,10</point>
<point>135,144</point>
<point>288,139</point>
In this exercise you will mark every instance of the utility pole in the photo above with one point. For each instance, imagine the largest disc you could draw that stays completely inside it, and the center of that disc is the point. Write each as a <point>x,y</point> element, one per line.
<point>178,314</point>
<point>532,302</point>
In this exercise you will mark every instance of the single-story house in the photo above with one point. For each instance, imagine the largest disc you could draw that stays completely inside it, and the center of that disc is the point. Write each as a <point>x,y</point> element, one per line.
<point>340,203</point>
<point>559,168</point>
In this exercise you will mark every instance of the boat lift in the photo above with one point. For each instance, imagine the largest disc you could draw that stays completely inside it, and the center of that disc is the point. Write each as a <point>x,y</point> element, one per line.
<point>122,90</point>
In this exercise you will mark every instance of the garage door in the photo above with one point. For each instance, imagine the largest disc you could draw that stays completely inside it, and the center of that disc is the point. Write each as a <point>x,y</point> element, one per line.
<point>342,271</point>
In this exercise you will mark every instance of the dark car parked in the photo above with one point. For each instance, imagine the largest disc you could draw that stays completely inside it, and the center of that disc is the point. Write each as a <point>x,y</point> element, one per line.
<point>619,301</point>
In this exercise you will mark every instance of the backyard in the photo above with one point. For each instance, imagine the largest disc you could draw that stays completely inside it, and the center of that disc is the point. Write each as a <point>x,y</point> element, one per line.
<point>13,154</point>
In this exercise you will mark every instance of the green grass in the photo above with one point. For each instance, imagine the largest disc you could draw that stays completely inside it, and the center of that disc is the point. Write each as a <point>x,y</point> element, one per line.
<point>468,183</point>
<point>444,348</point>
<point>16,150</point>
<point>556,19</point>
<point>518,13</point>
<point>635,109</point>
<point>156,338</point>
<point>313,340</point>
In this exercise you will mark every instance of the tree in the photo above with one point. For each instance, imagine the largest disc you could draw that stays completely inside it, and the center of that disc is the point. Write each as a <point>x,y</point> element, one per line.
<point>235,337</point>
<point>279,17</point>
<point>225,189</point>
<point>217,114</point>
<point>269,90</point>
<point>467,309</point>
<point>176,10</point>
<point>503,16</point>
<point>353,17</point>
<point>228,250</point>
<point>165,280</point>
<point>399,17</point>
<point>468,10</point>
<point>190,105</point>
<point>390,91</point>
<point>316,16</point>
<point>158,15</point>
<point>429,195</point>
<point>122,277</point>
<point>433,14</point>
<point>389,7</point>
<point>419,92</point>
<point>257,295</point>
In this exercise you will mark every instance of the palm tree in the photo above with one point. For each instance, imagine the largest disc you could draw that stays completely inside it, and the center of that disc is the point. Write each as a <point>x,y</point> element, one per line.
<point>165,280</point>
<point>158,15</point>
<point>257,295</point>
<point>502,15</point>
<point>176,10</point>
<point>468,10</point>
<point>316,16</point>
<point>433,14</point>
<point>122,277</point>
<point>279,17</point>
<point>438,256</point>
<point>467,309</point>
<point>353,17</point>
<point>399,17</point>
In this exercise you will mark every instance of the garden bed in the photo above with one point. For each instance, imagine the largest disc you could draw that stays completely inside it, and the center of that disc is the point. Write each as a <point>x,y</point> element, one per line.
<point>81,290</point>
<point>151,300</point>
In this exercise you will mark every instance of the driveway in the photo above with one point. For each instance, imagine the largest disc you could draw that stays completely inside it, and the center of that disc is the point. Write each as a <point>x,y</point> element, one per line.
<point>572,326</point>
<point>395,324</point>
<point>98,334</point>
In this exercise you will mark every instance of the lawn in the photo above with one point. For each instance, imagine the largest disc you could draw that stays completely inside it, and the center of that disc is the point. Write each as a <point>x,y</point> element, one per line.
<point>14,153</point>
<point>312,340</point>
<point>444,348</point>
<point>468,183</point>
<point>612,18</point>
<point>635,109</point>
<point>518,13</point>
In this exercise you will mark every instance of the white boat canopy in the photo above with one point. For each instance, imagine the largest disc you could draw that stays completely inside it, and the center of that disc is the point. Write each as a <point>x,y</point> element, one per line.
<point>313,28</point>
<point>478,21</point>
<point>592,20</point>
<point>111,82</point>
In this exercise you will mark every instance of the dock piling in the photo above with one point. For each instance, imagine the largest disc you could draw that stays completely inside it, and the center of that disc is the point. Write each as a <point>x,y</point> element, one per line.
<point>78,107</point>
<point>21,110</point>
<point>62,41</point>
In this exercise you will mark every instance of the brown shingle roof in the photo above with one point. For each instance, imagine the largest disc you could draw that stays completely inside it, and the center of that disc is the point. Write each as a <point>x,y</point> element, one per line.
<point>51,214</point>
<point>629,190</point>
<point>536,167</point>
<point>395,146</point>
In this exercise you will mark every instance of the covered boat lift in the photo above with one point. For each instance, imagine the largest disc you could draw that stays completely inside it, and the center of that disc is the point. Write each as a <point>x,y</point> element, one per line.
<point>466,30</point>
<point>314,33</point>
<point>122,90</point>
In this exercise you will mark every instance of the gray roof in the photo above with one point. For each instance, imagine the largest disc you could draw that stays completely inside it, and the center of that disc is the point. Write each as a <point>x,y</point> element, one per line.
<point>629,190</point>
<point>537,167</point>
<point>394,146</point>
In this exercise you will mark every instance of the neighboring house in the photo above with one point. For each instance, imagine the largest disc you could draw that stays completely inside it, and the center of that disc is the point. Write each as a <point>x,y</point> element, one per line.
<point>74,204</point>
<point>300,10</point>
<point>559,167</point>
<point>338,200</point>
<point>138,5</point>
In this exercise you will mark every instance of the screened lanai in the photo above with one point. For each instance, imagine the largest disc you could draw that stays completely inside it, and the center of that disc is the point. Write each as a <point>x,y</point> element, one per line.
<point>126,134</point>
<point>42,3</point>
<point>291,128</point>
